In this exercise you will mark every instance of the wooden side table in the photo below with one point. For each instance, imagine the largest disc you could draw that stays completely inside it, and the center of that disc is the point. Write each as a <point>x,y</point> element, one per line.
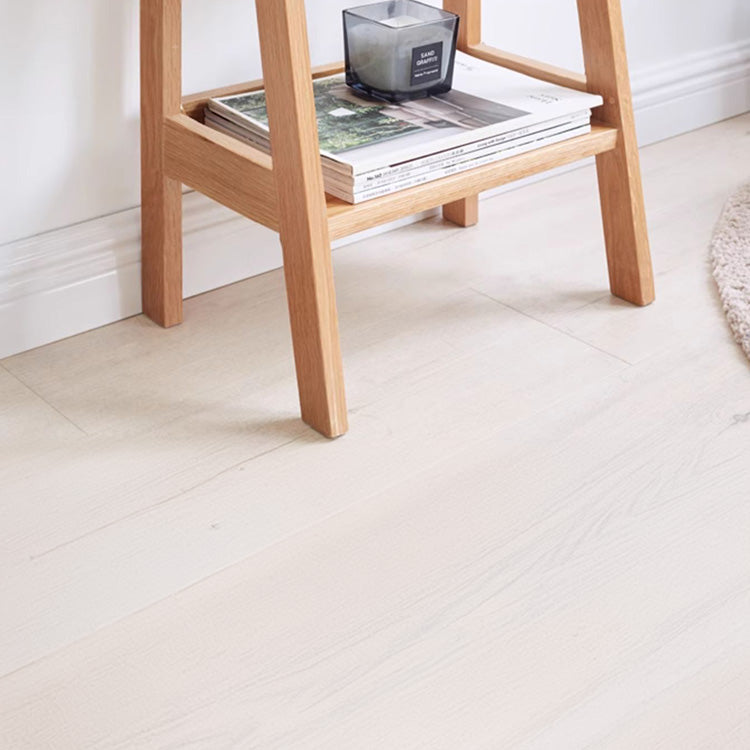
<point>285,191</point>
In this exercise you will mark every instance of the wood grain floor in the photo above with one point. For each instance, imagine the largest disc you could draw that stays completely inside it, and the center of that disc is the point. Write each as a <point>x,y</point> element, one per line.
<point>536,534</point>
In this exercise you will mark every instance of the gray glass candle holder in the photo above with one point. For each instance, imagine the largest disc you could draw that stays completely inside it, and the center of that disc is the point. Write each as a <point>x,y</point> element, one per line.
<point>400,49</point>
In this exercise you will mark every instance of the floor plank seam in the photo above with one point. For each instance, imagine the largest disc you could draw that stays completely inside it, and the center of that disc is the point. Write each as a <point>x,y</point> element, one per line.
<point>41,398</point>
<point>553,327</point>
<point>200,581</point>
<point>161,503</point>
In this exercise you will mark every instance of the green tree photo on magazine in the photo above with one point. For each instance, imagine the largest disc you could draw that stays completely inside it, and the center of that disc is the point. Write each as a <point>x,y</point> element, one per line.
<point>345,120</point>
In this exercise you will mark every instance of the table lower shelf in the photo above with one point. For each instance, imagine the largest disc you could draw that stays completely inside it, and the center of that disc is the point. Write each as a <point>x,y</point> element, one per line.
<point>242,178</point>
<point>345,218</point>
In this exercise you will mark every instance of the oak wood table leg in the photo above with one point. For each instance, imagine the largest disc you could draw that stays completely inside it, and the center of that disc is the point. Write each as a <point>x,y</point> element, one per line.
<point>302,212</point>
<point>161,197</point>
<point>465,212</point>
<point>620,186</point>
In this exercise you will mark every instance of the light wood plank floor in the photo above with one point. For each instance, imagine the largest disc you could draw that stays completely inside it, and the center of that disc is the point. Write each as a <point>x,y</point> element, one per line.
<point>536,535</point>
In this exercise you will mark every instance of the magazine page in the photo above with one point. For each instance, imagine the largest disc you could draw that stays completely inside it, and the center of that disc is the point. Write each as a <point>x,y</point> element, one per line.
<point>525,145</point>
<point>492,145</point>
<point>365,134</point>
<point>333,169</point>
<point>462,152</point>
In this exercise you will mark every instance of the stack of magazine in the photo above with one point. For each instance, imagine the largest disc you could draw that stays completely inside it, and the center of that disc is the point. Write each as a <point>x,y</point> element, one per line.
<point>371,148</point>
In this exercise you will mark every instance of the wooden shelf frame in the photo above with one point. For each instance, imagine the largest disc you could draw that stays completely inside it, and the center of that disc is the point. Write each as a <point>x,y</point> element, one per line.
<point>285,191</point>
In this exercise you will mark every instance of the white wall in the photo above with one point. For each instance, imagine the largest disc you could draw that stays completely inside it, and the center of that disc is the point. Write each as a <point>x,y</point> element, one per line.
<point>69,88</point>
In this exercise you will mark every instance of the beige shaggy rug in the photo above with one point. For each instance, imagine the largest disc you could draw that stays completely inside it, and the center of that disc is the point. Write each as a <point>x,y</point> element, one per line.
<point>730,255</point>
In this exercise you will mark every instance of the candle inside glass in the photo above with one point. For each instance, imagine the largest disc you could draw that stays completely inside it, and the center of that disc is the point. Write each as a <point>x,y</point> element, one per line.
<point>400,56</point>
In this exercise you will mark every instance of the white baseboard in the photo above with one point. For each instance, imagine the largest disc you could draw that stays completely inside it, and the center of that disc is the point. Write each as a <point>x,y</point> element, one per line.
<point>87,275</point>
<point>692,92</point>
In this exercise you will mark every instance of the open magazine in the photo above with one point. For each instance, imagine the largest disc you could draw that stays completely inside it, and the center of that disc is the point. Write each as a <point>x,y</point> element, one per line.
<point>367,144</point>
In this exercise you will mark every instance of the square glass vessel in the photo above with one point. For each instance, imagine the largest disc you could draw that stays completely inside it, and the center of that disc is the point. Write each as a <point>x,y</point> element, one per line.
<point>400,49</point>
